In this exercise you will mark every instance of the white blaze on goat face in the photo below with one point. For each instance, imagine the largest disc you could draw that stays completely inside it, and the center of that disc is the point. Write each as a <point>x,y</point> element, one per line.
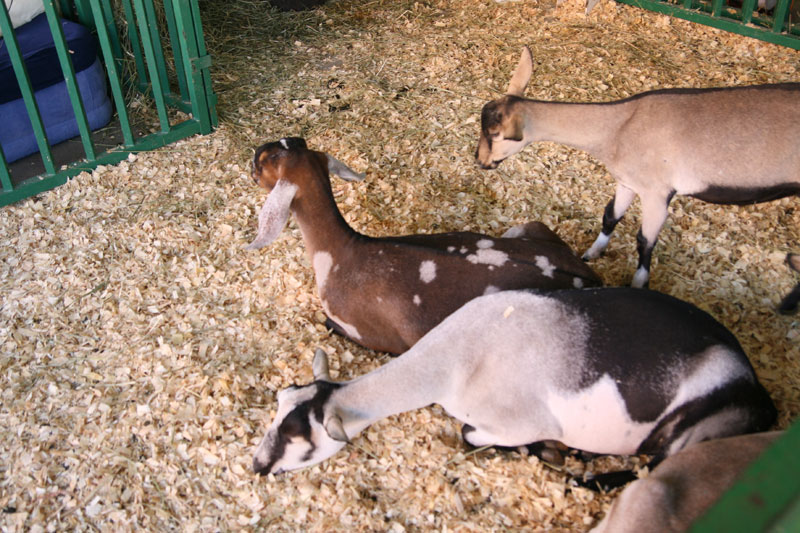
<point>427,271</point>
<point>323,262</point>
<point>279,454</point>
<point>547,267</point>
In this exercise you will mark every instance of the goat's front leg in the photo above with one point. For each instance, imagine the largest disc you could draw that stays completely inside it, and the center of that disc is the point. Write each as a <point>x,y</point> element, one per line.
<point>654,214</point>
<point>614,212</point>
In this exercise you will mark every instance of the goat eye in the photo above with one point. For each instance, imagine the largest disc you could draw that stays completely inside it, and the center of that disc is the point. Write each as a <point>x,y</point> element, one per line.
<point>294,425</point>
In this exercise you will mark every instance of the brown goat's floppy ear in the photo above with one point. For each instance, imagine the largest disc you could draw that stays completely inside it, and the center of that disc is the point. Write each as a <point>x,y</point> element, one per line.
<point>335,429</point>
<point>522,74</point>
<point>343,171</point>
<point>274,214</point>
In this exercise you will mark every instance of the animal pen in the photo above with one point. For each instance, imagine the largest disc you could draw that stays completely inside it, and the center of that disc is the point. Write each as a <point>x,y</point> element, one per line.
<point>130,37</point>
<point>141,348</point>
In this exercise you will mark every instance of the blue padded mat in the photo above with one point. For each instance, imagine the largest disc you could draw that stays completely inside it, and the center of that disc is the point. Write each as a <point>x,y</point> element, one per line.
<point>16,134</point>
<point>38,51</point>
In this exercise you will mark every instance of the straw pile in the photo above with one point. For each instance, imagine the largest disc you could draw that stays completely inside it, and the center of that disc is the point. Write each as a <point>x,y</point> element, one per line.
<point>141,347</point>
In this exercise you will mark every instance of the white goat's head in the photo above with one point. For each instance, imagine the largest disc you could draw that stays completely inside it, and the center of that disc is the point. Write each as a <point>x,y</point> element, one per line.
<point>502,125</point>
<point>306,429</point>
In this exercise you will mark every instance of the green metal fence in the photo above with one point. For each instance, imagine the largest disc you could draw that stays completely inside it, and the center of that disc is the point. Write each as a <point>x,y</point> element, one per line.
<point>188,71</point>
<point>780,25</point>
<point>767,496</point>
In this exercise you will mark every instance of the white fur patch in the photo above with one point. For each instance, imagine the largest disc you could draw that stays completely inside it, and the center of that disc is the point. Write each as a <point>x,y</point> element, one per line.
<point>577,283</point>
<point>514,233</point>
<point>322,261</point>
<point>349,329</point>
<point>417,300</point>
<point>484,243</point>
<point>547,267</point>
<point>596,419</point>
<point>640,278</point>
<point>427,271</point>
<point>597,247</point>
<point>487,256</point>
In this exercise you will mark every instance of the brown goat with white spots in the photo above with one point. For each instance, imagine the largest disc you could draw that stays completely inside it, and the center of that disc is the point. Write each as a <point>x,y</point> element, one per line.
<point>733,145</point>
<point>386,293</point>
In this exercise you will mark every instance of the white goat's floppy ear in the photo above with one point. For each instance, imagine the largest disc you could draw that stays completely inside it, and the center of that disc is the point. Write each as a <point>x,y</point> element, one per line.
<point>335,429</point>
<point>274,214</point>
<point>343,171</point>
<point>320,365</point>
<point>522,75</point>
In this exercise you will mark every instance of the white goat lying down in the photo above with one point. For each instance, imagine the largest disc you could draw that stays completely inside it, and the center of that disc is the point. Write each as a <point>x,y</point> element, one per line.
<point>684,486</point>
<point>385,293</point>
<point>607,370</point>
<point>736,145</point>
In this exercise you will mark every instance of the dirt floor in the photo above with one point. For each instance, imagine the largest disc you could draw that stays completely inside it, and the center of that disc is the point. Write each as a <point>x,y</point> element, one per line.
<point>141,346</point>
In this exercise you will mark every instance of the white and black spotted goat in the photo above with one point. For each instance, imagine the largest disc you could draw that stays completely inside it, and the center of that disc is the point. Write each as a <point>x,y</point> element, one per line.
<point>735,145</point>
<point>385,293</point>
<point>605,370</point>
<point>684,486</point>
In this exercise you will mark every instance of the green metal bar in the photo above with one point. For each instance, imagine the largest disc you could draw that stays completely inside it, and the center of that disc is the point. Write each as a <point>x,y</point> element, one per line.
<point>203,108</point>
<point>150,54</point>
<point>153,141</point>
<point>180,69</point>
<point>136,49</point>
<point>5,177</point>
<point>765,497</point>
<point>69,76</point>
<point>211,97</point>
<point>748,6</point>
<point>112,67</point>
<point>83,13</point>
<point>21,72</point>
<point>783,39</point>
<point>780,15</point>
<point>158,49</point>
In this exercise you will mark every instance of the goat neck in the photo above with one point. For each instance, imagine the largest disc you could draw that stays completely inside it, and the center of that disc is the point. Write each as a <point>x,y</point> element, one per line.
<point>315,210</point>
<point>406,383</point>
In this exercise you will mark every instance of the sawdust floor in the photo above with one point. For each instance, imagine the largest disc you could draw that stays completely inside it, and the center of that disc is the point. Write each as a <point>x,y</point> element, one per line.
<point>141,347</point>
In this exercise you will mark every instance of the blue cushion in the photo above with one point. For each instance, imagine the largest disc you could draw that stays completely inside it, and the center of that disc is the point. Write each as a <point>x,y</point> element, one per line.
<point>39,53</point>
<point>16,135</point>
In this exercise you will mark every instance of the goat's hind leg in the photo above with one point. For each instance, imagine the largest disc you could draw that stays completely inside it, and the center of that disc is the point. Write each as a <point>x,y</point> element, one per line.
<point>654,214</point>
<point>613,213</point>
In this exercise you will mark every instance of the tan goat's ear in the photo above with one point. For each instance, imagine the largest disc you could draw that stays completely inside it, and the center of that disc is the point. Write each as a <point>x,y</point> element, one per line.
<point>522,75</point>
<point>513,128</point>
<point>320,365</point>
<point>335,429</point>
<point>343,171</point>
<point>274,214</point>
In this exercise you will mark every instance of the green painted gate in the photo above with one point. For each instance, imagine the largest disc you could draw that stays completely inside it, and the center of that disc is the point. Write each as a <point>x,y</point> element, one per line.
<point>178,84</point>
<point>780,25</point>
